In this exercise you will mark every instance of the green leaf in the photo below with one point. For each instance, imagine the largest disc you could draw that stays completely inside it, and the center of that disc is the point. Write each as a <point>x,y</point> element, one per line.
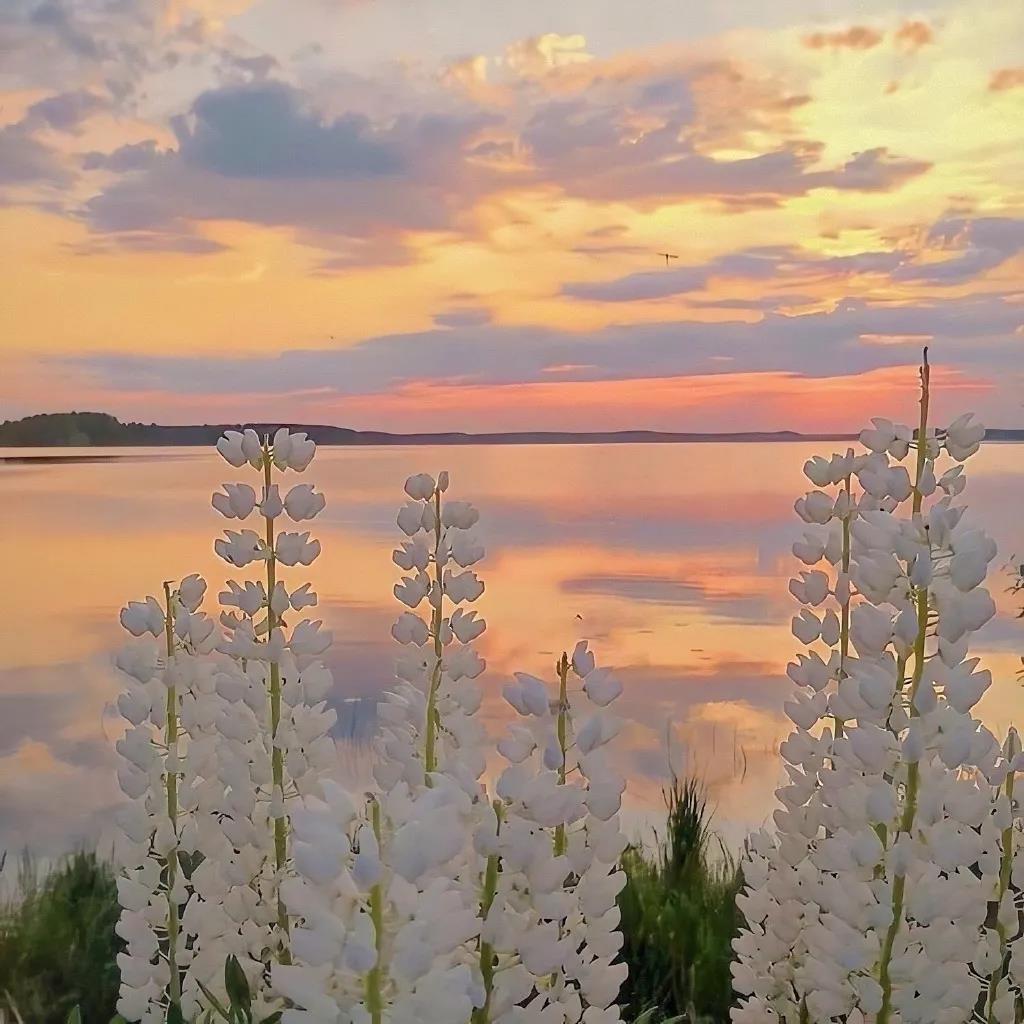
<point>75,1016</point>
<point>118,1019</point>
<point>236,984</point>
<point>174,1014</point>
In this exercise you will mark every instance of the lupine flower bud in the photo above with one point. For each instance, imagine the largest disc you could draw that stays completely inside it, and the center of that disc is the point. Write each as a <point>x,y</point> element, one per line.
<point>302,503</point>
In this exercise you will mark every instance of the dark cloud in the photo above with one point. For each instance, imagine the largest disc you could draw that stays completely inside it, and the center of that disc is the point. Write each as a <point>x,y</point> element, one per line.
<point>764,263</point>
<point>122,44</point>
<point>59,41</point>
<point>655,284</point>
<point>980,244</point>
<point>58,19</point>
<point>822,343</point>
<point>647,138</point>
<point>24,160</point>
<point>260,153</point>
<point>262,131</point>
<point>135,156</point>
<point>263,152</point>
<point>66,111</point>
<point>463,318</point>
<point>874,170</point>
<point>389,160</point>
<point>595,152</point>
<point>764,304</point>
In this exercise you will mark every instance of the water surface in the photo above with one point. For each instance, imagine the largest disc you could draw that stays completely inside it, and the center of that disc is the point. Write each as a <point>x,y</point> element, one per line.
<point>672,559</point>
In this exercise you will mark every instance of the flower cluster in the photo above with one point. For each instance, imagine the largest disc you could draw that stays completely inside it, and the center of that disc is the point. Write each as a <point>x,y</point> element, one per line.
<point>439,665</point>
<point>896,827</point>
<point>551,922</point>
<point>163,749</point>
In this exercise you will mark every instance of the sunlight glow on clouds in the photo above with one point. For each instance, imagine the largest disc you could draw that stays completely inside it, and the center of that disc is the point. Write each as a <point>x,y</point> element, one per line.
<point>220,206</point>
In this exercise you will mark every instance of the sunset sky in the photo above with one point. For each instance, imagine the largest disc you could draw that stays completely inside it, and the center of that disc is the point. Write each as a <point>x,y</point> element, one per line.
<point>447,215</point>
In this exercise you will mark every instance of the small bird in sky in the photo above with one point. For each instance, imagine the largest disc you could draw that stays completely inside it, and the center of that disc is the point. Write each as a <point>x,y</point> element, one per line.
<point>668,256</point>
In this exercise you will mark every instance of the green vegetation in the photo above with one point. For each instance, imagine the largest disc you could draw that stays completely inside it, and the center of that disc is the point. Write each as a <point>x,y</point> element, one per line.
<point>57,944</point>
<point>58,947</point>
<point>679,916</point>
<point>70,428</point>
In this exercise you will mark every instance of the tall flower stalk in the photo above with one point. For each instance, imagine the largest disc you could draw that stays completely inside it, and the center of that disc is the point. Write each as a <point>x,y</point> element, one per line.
<point>553,922</point>
<point>171,784</point>
<point>869,903</point>
<point>164,669</point>
<point>403,868</point>
<point>273,657</point>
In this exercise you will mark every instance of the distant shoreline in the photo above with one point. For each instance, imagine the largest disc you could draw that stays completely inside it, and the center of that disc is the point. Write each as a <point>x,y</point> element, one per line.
<point>99,430</point>
<point>371,439</point>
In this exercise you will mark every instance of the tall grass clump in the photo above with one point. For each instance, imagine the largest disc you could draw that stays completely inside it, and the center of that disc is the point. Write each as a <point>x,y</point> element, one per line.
<point>57,943</point>
<point>679,915</point>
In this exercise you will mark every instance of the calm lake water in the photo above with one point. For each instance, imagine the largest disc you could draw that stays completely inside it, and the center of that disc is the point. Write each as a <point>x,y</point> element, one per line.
<point>672,559</point>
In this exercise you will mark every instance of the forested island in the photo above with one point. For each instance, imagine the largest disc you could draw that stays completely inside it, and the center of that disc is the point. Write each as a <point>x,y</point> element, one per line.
<point>101,430</point>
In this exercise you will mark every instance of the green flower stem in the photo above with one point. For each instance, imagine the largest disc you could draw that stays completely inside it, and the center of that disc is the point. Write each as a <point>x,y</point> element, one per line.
<point>913,772</point>
<point>171,779</point>
<point>482,1014</point>
<point>844,624</point>
<point>563,712</point>
<point>374,998</point>
<point>1005,869</point>
<point>436,620</point>
<point>276,756</point>
<point>560,841</point>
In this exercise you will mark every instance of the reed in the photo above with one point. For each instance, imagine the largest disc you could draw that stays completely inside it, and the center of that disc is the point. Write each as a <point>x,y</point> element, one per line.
<point>57,942</point>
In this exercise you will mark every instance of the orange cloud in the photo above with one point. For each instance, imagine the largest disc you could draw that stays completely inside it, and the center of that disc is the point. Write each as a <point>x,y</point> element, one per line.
<point>856,37</point>
<point>732,104</point>
<point>912,35</point>
<point>1006,78</point>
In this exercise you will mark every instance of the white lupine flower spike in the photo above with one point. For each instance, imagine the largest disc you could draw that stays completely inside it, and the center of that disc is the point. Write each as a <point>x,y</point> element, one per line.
<point>389,897</point>
<point>897,825</point>
<point>274,725</point>
<point>552,921</point>
<point>162,751</point>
